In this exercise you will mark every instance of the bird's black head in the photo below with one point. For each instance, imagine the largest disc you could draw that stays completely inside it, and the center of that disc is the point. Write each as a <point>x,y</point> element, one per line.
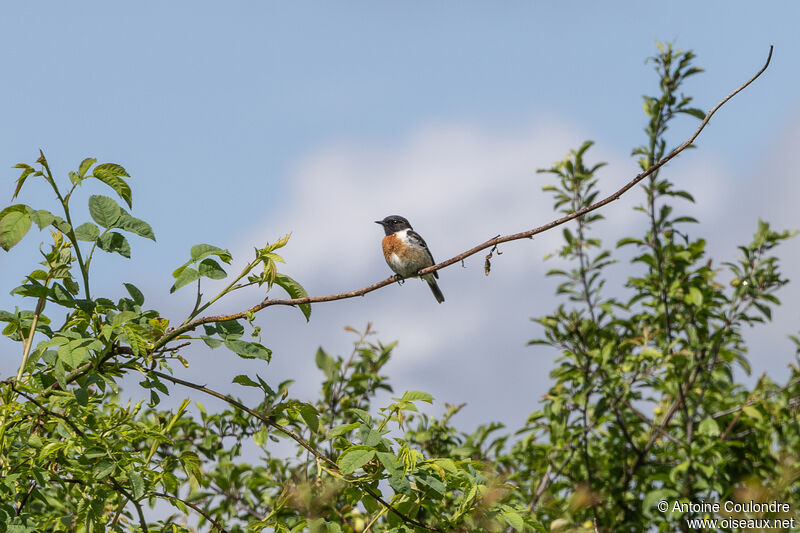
<point>393,224</point>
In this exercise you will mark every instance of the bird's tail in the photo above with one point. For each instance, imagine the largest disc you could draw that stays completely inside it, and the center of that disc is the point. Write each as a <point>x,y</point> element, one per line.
<point>434,288</point>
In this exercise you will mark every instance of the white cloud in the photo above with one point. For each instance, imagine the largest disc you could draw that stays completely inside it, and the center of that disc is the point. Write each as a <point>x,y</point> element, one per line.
<point>459,185</point>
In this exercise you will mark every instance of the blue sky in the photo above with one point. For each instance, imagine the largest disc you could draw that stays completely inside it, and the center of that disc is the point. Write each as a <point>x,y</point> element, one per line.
<point>242,121</point>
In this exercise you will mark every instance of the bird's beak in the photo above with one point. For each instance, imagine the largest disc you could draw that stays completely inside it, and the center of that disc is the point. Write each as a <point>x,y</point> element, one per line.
<point>379,222</point>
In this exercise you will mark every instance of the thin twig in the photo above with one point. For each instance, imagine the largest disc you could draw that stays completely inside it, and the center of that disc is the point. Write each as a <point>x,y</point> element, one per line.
<point>136,504</point>
<point>24,499</point>
<point>267,302</point>
<point>44,409</point>
<point>547,479</point>
<point>748,403</point>
<point>193,506</point>
<point>652,424</point>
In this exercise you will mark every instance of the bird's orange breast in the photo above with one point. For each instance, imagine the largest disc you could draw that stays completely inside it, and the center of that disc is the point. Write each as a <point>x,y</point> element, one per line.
<point>403,258</point>
<point>392,245</point>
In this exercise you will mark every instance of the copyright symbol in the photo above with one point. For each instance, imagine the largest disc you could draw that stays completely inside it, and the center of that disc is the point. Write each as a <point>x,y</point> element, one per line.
<point>663,506</point>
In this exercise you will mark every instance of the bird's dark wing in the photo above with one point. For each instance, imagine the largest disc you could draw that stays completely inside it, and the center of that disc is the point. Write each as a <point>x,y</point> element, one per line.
<point>417,239</point>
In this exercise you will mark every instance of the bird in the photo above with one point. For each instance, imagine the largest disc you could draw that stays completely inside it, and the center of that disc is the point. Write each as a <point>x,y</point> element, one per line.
<point>406,253</point>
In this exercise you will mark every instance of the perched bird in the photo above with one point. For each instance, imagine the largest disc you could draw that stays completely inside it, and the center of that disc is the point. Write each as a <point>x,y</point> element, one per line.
<point>406,252</point>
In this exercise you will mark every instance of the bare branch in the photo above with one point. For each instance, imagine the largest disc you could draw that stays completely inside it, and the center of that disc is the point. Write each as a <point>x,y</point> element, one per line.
<point>267,302</point>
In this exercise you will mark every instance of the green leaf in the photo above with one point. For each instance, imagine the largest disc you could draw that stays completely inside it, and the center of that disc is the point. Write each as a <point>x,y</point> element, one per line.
<point>72,355</point>
<point>81,396</point>
<point>201,251</point>
<point>708,427</point>
<point>62,296</point>
<point>35,441</point>
<point>361,414</point>
<point>326,363</point>
<point>15,221</point>
<point>752,412</point>
<point>677,470</point>
<point>514,520</point>
<point>415,395</point>
<point>245,381</point>
<point>314,524</point>
<point>355,457</point>
<point>295,290</point>
<point>60,373</point>
<point>695,297</point>
<point>370,437</point>
<point>103,468</point>
<point>191,465</point>
<point>310,416</point>
<point>104,210</point>
<point>42,218</point>
<point>62,225</point>
<point>431,482</point>
<point>186,276</point>
<point>135,225</point>
<point>211,269</point>
<point>230,329</point>
<point>134,333</point>
<point>693,111</point>
<point>447,464</point>
<point>27,171</point>
<point>653,497</point>
<point>400,485</point>
<point>211,342</point>
<point>137,484</point>
<point>87,231</point>
<point>33,290</point>
<point>248,350</point>
<point>628,240</point>
<point>341,430</point>
<point>280,243</point>
<point>113,169</point>
<point>261,436</point>
<point>390,462</point>
<point>85,165</point>
<point>113,180</point>
<point>136,294</point>
<point>114,242</point>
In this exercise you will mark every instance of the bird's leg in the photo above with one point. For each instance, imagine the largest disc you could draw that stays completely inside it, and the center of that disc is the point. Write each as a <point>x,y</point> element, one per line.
<point>399,279</point>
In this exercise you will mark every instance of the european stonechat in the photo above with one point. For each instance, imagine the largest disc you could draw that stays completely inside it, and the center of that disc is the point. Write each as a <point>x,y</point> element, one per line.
<point>406,252</point>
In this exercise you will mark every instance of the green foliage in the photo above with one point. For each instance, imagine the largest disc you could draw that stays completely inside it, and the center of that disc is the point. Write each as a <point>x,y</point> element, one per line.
<point>74,457</point>
<point>670,347</point>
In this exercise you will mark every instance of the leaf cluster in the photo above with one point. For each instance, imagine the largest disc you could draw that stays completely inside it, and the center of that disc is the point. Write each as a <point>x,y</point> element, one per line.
<point>645,405</point>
